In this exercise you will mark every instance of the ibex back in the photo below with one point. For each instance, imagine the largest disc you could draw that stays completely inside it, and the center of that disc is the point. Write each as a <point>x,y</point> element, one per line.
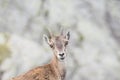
<point>55,70</point>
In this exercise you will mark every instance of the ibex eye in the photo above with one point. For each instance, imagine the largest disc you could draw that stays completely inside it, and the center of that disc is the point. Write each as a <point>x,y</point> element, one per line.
<point>51,46</point>
<point>66,43</point>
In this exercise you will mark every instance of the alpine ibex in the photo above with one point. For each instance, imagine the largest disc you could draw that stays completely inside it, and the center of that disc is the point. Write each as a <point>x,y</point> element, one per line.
<point>55,70</point>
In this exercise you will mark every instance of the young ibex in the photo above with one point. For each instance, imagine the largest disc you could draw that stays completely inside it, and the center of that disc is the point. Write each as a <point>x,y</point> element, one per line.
<point>55,70</point>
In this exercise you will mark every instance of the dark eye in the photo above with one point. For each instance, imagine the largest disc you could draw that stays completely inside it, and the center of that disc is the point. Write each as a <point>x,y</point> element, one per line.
<point>66,43</point>
<point>51,45</point>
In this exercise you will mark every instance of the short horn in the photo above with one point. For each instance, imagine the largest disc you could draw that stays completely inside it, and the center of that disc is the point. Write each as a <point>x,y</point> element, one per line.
<point>50,33</point>
<point>62,31</point>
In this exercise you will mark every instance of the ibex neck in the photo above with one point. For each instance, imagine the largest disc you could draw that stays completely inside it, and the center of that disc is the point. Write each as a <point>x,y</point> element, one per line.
<point>59,64</point>
<point>59,67</point>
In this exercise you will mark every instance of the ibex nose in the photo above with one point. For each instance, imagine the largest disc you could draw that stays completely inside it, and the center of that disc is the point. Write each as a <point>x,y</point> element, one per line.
<point>61,54</point>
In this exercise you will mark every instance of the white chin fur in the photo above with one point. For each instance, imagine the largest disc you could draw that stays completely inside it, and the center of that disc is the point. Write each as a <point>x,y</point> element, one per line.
<point>61,58</point>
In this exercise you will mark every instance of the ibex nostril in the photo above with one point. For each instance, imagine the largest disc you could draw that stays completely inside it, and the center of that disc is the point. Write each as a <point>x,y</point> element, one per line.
<point>61,54</point>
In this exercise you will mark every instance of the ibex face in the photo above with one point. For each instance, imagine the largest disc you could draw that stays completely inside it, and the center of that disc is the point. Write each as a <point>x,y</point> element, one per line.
<point>58,45</point>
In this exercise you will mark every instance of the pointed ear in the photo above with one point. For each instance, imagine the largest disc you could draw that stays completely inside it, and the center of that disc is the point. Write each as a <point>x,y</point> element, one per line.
<point>45,37</point>
<point>67,36</point>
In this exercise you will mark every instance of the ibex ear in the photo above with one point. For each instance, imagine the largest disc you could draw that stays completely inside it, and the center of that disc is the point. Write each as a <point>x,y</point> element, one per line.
<point>46,38</point>
<point>67,36</point>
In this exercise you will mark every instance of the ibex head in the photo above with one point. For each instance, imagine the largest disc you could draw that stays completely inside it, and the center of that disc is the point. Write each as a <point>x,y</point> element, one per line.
<point>58,44</point>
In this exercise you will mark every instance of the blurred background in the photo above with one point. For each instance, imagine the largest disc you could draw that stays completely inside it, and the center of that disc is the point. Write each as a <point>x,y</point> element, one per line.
<point>93,51</point>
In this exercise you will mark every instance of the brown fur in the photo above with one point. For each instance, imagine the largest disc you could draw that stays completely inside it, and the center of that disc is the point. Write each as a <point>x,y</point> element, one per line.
<point>52,71</point>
